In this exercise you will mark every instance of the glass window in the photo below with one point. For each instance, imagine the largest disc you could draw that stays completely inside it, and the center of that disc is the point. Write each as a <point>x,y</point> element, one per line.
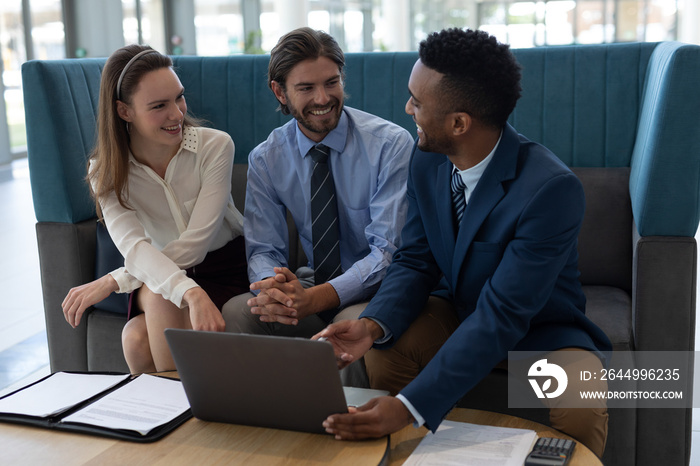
<point>269,25</point>
<point>344,20</point>
<point>320,19</point>
<point>219,27</point>
<point>432,16</point>
<point>48,41</point>
<point>557,22</point>
<point>662,20</point>
<point>143,23</point>
<point>522,21</point>
<point>630,21</point>
<point>354,23</point>
<point>492,19</point>
<point>362,25</point>
<point>14,53</point>
<point>595,22</point>
<point>48,36</point>
<point>153,24</point>
<point>130,22</point>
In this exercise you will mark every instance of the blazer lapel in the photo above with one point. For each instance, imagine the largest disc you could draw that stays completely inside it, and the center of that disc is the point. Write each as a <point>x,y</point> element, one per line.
<point>488,192</point>
<point>443,206</point>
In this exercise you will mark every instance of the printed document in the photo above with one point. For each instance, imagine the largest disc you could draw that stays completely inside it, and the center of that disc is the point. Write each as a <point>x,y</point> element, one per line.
<point>141,405</point>
<point>57,393</point>
<point>471,444</point>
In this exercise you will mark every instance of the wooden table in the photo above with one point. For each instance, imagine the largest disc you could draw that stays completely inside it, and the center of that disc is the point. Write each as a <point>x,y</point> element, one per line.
<point>195,442</point>
<point>200,442</point>
<point>211,443</point>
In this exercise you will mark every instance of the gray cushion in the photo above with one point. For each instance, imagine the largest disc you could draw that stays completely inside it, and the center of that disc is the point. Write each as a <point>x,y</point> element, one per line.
<point>104,343</point>
<point>611,309</point>
<point>605,241</point>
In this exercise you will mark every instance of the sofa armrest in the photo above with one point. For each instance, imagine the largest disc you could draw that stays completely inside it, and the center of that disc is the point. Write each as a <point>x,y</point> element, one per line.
<point>663,307</point>
<point>663,293</point>
<point>66,259</point>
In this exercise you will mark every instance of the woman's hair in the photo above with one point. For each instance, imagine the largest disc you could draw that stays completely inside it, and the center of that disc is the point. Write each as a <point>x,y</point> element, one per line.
<point>121,76</point>
<point>297,46</point>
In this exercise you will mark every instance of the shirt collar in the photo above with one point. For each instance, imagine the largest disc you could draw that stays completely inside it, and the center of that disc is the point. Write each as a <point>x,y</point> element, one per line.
<point>190,139</point>
<point>335,139</point>
<point>190,142</point>
<point>472,175</point>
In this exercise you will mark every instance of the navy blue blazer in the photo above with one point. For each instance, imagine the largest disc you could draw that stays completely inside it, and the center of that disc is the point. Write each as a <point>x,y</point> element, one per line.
<point>511,270</point>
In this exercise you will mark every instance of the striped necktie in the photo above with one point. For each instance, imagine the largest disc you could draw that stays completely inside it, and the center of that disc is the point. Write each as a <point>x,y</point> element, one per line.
<point>458,201</point>
<point>324,218</point>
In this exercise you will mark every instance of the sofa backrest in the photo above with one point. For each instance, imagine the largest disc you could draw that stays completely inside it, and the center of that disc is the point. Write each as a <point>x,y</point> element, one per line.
<point>617,105</point>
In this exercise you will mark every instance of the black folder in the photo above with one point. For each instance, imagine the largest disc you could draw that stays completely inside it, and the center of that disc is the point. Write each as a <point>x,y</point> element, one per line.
<point>56,421</point>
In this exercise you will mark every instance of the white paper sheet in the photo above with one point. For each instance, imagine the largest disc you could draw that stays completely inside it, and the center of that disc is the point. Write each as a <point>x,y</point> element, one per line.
<point>58,393</point>
<point>141,405</point>
<point>470,444</point>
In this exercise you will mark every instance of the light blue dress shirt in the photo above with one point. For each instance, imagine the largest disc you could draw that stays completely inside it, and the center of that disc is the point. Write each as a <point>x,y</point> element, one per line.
<point>369,162</point>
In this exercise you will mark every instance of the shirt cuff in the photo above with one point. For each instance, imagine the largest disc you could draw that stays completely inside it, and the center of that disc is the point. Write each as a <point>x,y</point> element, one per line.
<point>179,291</point>
<point>125,281</point>
<point>385,329</point>
<point>348,288</point>
<point>260,268</point>
<point>419,421</point>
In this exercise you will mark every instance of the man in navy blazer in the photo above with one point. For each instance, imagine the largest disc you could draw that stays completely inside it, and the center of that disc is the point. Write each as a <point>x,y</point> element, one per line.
<point>460,295</point>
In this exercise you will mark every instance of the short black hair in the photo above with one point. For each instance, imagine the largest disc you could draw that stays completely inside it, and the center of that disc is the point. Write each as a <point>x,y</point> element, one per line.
<point>481,75</point>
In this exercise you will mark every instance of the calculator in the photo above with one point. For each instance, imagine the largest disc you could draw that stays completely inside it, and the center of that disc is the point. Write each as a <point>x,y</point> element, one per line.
<point>550,452</point>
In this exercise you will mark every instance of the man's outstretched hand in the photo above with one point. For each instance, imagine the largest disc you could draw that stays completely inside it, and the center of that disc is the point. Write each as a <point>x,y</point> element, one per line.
<point>377,418</point>
<point>351,339</point>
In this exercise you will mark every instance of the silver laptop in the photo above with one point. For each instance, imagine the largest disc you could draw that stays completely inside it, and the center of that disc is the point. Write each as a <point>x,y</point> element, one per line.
<point>258,380</point>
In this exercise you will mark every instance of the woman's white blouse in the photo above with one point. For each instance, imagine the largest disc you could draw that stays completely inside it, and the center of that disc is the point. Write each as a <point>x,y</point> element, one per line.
<point>174,221</point>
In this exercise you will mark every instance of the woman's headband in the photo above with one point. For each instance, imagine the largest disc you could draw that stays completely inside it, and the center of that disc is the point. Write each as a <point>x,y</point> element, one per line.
<point>126,68</point>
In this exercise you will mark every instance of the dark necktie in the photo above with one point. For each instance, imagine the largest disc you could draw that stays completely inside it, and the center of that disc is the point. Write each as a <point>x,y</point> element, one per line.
<point>458,201</point>
<point>324,218</point>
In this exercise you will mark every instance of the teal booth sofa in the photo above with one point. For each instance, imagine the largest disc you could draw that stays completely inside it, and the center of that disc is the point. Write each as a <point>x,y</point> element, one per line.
<point>625,117</point>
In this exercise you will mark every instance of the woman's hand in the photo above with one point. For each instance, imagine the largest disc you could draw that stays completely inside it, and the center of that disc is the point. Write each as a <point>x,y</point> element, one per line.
<point>204,314</point>
<point>82,297</point>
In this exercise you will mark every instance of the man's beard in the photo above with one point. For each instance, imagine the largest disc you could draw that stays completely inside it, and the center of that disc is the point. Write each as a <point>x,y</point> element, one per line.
<point>318,127</point>
<point>438,144</point>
